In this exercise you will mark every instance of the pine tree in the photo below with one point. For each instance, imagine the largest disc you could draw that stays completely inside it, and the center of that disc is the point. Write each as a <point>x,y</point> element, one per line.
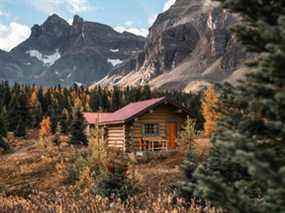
<point>246,168</point>
<point>3,122</point>
<point>41,100</point>
<point>56,136</point>
<point>12,113</point>
<point>53,119</point>
<point>20,130</point>
<point>116,99</point>
<point>77,129</point>
<point>3,144</point>
<point>64,122</point>
<point>22,115</point>
<point>146,93</point>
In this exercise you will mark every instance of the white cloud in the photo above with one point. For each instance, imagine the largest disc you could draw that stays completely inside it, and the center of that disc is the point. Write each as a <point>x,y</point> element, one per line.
<point>129,27</point>
<point>56,6</point>
<point>168,4</point>
<point>129,23</point>
<point>2,13</point>
<point>46,6</point>
<point>132,29</point>
<point>78,5</point>
<point>12,35</point>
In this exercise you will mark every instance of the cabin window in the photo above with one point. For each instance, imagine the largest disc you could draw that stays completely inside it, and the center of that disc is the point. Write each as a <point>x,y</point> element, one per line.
<point>151,129</point>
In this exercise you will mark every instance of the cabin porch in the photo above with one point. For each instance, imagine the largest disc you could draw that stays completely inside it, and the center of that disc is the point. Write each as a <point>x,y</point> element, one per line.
<point>152,136</point>
<point>153,144</point>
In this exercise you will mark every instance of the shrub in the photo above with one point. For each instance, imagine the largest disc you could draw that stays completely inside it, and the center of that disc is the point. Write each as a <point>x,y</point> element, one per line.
<point>115,182</point>
<point>189,132</point>
<point>5,146</point>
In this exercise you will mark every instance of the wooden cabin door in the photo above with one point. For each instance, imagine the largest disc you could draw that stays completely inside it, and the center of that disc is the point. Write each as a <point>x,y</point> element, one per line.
<point>171,134</point>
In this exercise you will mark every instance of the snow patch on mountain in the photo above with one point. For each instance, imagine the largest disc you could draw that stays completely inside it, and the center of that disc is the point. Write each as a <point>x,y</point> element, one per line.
<point>115,62</point>
<point>48,60</point>
<point>209,3</point>
<point>78,83</point>
<point>114,50</point>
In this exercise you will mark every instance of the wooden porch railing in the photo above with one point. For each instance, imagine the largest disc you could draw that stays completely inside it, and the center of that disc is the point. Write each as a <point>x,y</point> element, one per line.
<point>153,144</point>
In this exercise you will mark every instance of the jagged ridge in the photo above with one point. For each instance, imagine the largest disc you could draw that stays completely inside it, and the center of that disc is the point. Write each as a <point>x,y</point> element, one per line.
<point>59,53</point>
<point>189,43</point>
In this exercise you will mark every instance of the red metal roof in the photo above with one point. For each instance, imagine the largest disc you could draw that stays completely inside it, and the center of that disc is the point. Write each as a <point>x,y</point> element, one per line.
<point>123,114</point>
<point>93,117</point>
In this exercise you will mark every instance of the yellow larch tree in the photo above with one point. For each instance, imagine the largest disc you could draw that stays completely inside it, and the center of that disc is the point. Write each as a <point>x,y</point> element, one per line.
<point>34,98</point>
<point>45,128</point>
<point>210,103</point>
<point>78,104</point>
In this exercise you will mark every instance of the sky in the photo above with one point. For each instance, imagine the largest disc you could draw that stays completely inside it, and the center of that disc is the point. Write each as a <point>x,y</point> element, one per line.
<point>18,16</point>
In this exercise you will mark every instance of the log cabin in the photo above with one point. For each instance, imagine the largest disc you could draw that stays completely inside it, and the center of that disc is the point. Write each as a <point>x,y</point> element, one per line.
<point>150,125</point>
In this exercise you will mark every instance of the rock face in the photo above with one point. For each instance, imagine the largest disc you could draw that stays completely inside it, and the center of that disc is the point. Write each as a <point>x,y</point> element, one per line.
<point>9,67</point>
<point>59,53</point>
<point>189,43</point>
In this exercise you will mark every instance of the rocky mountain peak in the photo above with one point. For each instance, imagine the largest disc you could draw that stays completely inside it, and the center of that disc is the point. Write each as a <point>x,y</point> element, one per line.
<point>54,19</point>
<point>189,42</point>
<point>77,20</point>
<point>60,53</point>
<point>36,31</point>
<point>55,26</point>
<point>77,25</point>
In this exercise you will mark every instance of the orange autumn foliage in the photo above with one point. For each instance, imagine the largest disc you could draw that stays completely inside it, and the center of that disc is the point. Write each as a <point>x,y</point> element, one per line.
<point>209,105</point>
<point>78,103</point>
<point>33,99</point>
<point>45,127</point>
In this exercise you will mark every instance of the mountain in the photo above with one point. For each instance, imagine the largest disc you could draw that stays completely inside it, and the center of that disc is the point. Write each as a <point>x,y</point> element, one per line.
<point>59,53</point>
<point>188,46</point>
<point>10,67</point>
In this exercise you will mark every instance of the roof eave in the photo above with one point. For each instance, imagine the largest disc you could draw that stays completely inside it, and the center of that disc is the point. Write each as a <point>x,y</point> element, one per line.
<point>112,122</point>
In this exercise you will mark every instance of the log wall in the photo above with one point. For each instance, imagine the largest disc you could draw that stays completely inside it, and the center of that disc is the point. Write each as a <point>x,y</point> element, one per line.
<point>116,137</point>
<point>162,115</point>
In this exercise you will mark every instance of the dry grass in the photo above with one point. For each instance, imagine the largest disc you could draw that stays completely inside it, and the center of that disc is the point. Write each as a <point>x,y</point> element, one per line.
<point>36,179</point>
<point>158,174</point>
<point>66,202</point>
<point>32,167</point>
<point>202,146</point>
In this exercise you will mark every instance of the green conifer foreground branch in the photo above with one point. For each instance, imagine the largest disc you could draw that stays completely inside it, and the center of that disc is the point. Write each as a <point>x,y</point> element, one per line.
<point>245,171</point>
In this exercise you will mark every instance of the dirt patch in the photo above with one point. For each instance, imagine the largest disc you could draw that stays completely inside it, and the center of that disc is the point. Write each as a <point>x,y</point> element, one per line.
<point>159,174</point>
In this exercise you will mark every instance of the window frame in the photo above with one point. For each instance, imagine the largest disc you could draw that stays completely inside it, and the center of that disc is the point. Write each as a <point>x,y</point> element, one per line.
<point>156,128</point>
